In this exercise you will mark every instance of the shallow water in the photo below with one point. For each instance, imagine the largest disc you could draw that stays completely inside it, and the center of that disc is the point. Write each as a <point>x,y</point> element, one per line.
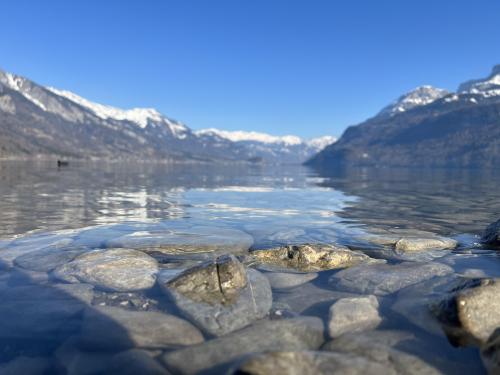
<point>93,205</point>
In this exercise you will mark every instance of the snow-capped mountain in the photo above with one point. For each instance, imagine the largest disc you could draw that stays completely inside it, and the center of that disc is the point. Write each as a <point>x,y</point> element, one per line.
<point>420,96</point>
<point>427,128</point>
<point>42,121</point>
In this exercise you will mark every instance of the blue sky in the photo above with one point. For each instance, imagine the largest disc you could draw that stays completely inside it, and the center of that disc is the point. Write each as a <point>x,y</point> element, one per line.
<point>285,67</point>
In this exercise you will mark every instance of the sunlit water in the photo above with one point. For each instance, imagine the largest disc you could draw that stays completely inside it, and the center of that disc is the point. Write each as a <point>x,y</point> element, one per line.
<point>91,203</point>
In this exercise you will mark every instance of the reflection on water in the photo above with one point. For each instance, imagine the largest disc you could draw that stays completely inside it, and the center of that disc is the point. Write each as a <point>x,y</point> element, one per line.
<point>39,196</point>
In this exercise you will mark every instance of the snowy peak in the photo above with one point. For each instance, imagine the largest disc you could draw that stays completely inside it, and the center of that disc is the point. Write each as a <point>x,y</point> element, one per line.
<point>140,116</point>
<point>287,140</point>
<point>487,87</point>
<point>420,96</point>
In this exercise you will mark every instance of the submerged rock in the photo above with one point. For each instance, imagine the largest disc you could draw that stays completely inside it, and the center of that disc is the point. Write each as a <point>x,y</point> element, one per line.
<point>118,270</point>
<point>194,240</point>
<point>220,296</point>
<point>285,280</point>
<point>383,279</point>
<point>353,314</point>
<point>133,362</point>
<point>117,329</point>
<point>305,333</point>
<point>490,353</point>
<point>491,235</point>
<point>27,365</point>
<point>310,363</point>
<point>471,313</point>
<point>415,244</point>
<point>378,347</point>
<point>311,257</point>
<point>47,259</point>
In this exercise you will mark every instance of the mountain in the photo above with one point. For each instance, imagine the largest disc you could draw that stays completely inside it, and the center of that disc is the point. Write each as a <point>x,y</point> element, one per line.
<point>427,127</point>
<point>38,121</point>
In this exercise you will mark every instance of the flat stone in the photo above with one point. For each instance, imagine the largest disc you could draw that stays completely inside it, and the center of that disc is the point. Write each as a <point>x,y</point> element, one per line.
<point>471,312</point>
<point>220,296</point>
<point>383,279</point>
<point>311,257</point>
<point>118,329</point>
<point>46,260</point>
<point>115,270</point>
<point>304,333</point>
<point>491,235</point>
<point>76,361</point>
<point>23,246</point>
<point>310,363</point>
<point>194,240</point>
<point>377,347</point>
<point>353,315</point>
<point>416,244</point>
<point>135,361</point>
<point>285,280</point>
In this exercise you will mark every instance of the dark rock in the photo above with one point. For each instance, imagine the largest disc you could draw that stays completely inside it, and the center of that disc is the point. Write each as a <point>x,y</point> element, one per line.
<point>304,333</point>
<point>133,362</point>
<point>491,235</point>
<point>490,353</point>
<point>118,329</point>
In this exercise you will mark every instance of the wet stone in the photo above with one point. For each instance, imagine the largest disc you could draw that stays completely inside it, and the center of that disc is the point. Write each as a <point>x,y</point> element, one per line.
<point>46,260</point>
<point>133,362</point>
<point>416,244</point>
<point>305,333</point>
<point>378,347</point>
<point>131,301</point>
<point>26,365</point>
<point>353,315</point>
<point>311,257</point>
<point>383,279</point>
<point>193,240</point>
<point>471,312</point>
<point>285,280</point>
<point>119,270</point>
<point>491,235</point>
<point>113,328</point>
<point>309,363</point>
<point>220,296</point>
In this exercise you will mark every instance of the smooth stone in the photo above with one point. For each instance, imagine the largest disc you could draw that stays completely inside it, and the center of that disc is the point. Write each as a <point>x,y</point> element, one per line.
<point>304,333</point>
<point>471,312</point>
<point>26,365</point>
<point>377,347</point>
<point>490,353</point>
<point>45,312</point>
<point>133,362</point>
<point>491,235</point>
<point>218,288</point>
<point>27,245</point>
<point>311,257</point>
<point>46,260</point>
<point>383,279</point>
<point>75,361</point>
<point>220,296</point>
<point>310,363</point>
<point>118,270</point>
<point>353,315</point>
<point>209,241</point>
<point>214,282</point>
<point>416,244</point>
<point>307,297</point>
<point>19,276</point>
<point>285,280</point>
<point>118,329</point>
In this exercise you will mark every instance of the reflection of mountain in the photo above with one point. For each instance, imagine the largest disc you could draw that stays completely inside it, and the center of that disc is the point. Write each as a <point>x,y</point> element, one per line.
<point>44,121</point>
<point>445,201</point>
<point>427,127</point>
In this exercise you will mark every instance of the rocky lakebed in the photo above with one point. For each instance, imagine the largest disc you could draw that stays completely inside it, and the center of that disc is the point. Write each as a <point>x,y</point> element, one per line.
<point>173,298</point>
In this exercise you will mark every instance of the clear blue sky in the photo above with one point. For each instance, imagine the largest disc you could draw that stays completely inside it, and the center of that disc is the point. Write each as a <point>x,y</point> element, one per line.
<point>285,67</point>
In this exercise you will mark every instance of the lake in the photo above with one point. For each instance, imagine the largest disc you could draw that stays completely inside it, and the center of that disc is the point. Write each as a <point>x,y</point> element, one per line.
<point>91,205</point>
